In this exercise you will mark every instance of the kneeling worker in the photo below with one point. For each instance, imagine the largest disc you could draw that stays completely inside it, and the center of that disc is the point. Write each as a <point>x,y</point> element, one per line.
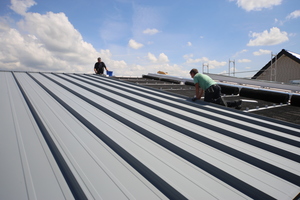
<point>212,91</point>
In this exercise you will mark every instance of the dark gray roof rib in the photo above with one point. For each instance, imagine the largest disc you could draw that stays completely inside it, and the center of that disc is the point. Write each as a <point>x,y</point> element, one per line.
<point>85,136</point>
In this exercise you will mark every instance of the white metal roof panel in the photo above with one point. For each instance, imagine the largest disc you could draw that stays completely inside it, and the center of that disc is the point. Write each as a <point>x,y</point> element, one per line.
<point>27,169</point>
<point>120,140</point>
<point>75,141</point>
<point>295,54</point>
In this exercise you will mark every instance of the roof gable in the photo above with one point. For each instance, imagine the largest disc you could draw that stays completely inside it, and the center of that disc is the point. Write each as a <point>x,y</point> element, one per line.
<point>289,54</point>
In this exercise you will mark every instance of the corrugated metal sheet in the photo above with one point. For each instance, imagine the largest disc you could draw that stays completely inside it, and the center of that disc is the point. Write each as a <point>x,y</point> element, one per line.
<point>82,136</point>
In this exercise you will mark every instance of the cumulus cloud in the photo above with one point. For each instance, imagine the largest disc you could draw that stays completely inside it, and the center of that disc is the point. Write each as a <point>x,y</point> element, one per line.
<point>261,52</point>
<point>212,63</point>
<point>135,45</point>
<point>294,15</point>
<point>47,42</point>
<point>243,61</point>
<point>28,52</point>
<point>240,52</point>
<point>152,57</point>
<point>21,52</point>
<point>21,6</point>
<point>187,56</point>
<point>55,32</point>
<point>150,31</point>
<point>257,5</point>
<point>162,58</point>
<point>171,69</point>
<point>275,36</point>
<point>189,44</point>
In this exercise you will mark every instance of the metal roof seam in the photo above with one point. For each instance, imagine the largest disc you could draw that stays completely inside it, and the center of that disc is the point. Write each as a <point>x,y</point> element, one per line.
<point>268,167</point>
<point>225,121</point>
<point>132,85</point>
<point>159,183</point>
<point>254,116</point>
<point>178,151</point>
<point>68,175</point>
<point>150,142</point>
<point>206,108</point>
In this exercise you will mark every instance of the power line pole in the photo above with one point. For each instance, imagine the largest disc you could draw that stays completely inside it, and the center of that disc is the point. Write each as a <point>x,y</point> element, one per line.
<point>273,67</point>
<point>207,67</point>
<point>231,61</point>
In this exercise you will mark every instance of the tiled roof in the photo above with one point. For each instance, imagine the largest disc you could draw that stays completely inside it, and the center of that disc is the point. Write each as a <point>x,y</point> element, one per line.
<point>83,136</point>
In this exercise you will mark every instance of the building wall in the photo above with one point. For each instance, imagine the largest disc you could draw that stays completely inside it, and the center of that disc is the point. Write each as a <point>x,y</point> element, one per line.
<point>286,70</point>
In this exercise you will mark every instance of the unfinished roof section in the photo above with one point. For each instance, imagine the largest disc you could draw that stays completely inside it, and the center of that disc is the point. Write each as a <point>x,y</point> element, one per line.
<point>232,82</point>
<point>81,136</point>
<point>283,67</point>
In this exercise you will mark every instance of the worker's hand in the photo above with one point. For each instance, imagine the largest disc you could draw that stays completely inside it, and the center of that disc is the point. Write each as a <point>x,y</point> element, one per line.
<point>194,99</point>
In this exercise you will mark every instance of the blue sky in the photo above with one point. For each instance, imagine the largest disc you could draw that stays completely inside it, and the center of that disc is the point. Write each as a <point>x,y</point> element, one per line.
<point>136,37</point>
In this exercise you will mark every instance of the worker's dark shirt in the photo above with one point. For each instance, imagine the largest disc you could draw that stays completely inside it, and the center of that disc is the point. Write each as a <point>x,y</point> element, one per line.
<point>99,66</point>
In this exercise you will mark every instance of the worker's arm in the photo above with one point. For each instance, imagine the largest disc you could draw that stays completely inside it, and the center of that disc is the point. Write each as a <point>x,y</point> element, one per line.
<point>199,91</point>
<point>95,68</point>
<point>105,66</point>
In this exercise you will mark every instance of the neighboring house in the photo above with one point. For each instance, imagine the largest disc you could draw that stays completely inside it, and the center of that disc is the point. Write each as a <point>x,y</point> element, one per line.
<point>284,67</point>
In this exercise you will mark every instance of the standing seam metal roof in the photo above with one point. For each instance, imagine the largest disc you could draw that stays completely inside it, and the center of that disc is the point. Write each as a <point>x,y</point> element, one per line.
<point>91,137</point>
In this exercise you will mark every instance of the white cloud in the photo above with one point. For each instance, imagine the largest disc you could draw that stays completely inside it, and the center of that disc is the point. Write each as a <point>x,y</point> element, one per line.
<point>279,22</point>
<point>294,15</point>
<point>152,57</point>
<point>212,63</point>
<point>150,31</point>
<point>243,61</point>
<point>240,52</point>
<point>4,26</point>
<point>189,44</point>
<point>197,60</point>
<point>173,70</point>
<point>162,58</point>
<point>25,52</point>
<point>257,5</point>
<point>47,42</point>
<point>275,36</point>
<point>135,45</point>
<point>261,52</point>
<point>187,56</point>
<point>21,6</point>
<point>55,32</point>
